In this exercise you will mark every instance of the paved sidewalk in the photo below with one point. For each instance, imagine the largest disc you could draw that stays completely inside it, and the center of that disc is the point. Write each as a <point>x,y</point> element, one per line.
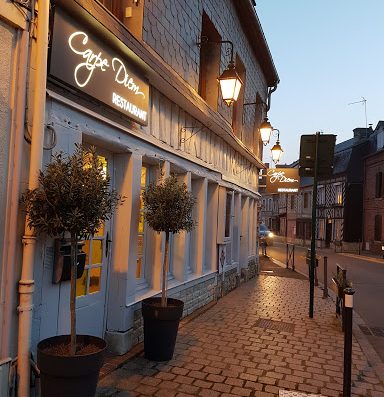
<point>254,342</point>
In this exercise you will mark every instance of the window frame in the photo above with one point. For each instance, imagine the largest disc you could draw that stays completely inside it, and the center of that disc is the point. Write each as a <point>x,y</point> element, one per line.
<point>377,230</point>
<point>379,185</point>
<point>143,281</point>
<point>228,219</point>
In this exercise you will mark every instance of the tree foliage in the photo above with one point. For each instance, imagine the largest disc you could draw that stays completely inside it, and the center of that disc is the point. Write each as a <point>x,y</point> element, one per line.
<point>74,196</point>
<point>168,206</point>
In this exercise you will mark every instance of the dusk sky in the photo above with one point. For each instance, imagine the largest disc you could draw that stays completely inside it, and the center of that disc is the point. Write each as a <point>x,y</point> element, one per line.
<point>328,53</point>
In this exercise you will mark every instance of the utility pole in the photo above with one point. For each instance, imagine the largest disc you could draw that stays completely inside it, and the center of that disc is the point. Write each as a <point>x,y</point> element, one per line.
<point>316,160</point>
<point>313,232</point>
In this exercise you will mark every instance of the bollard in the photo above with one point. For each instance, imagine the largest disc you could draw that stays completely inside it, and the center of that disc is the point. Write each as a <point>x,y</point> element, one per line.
<point>293,258</point>
<point>287,257</point>
<point>290,256</point>
<point>348,294</point>
<point>316,266</point>
<point>325,289</point>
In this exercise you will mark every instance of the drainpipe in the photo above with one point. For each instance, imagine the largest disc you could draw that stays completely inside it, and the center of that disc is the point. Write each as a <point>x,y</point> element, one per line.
<point>26,283</point>
<point>270,92</point>
<point>7,292</point>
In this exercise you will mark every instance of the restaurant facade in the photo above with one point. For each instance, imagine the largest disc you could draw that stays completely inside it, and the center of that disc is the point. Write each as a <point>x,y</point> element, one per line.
<point>139,83</point>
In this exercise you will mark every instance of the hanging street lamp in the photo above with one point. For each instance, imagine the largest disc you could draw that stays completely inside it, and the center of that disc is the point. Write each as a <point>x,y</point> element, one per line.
<point>276,151</point>
<point>230,84</point>
<point>230,81</point>
<point>265,131</point>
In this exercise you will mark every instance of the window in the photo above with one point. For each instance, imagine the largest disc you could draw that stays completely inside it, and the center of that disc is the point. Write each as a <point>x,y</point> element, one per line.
<point>90,281</point>
<point>377,236</point>
<point>209,62</point>
<point>379,185</point>
<point>131,16</point>
<point>257,142</point>
<point>321,195</point>
<point>292,202</point>
<point>140,261</point>
<point>115,6</point>
<point>306,200</point>
<point>380,140</point>
<point>228,214</point>
<point>321,230</point>
<point>338,194</point>
<point>337,230</point>
<point>237,114</point>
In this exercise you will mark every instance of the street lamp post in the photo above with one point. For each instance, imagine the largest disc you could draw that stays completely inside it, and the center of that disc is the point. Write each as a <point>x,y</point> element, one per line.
<point>313,233</point>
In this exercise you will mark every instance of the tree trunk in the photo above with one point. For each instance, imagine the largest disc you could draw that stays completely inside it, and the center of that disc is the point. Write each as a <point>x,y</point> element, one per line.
<point>73,293</point>
<point>165,272</point>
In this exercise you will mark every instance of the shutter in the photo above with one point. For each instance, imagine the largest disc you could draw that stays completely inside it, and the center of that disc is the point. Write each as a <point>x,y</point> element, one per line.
<point>377,227</point>
<point>379,177</point>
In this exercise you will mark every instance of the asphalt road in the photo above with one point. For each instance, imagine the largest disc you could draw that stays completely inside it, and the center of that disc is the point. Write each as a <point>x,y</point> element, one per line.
<point>366,275</point>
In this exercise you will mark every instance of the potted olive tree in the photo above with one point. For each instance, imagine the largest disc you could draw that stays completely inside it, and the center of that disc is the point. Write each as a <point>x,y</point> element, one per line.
<point>167,208</point>
<point>72,201</point>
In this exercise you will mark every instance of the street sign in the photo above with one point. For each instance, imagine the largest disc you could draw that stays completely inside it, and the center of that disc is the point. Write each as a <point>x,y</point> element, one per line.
<point>282,180</point>
<point>326,148</point>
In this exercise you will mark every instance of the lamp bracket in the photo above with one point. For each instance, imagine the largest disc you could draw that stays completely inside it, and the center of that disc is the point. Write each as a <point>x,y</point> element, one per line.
<point>276,133</point>
<point>195,131</point>
<point>205,40</point>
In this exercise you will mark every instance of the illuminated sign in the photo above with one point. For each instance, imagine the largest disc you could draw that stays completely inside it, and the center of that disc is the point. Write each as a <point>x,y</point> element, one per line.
<point>79,59</point>
<point>282,180</point>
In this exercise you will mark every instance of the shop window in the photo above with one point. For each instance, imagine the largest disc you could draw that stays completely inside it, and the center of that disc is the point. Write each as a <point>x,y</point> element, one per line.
<point>306,200</point>
<point>90,281</point>
<point>129,13</point>
<point>292,202</point>
<point>377,236</point>
<point>321,229</point>
<point>228,214</point>
<point>338,230</point>
<point>379,185</point>
<point>237,114</point>
<point>209,62</point>
<point>141,229</point>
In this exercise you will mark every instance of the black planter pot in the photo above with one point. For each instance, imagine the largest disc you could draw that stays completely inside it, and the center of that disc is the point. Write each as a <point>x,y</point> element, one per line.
<point>160,327</point>
<point>64,376</point>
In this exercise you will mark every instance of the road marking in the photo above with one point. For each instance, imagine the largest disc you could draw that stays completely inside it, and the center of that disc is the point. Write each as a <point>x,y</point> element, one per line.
<point>365,258</point>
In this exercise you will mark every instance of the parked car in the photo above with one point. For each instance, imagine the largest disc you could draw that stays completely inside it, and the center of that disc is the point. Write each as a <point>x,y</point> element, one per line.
<point>265,234</point>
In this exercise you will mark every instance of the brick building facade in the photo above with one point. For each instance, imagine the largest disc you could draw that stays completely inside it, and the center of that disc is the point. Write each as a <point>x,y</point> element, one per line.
<point>373,209</point>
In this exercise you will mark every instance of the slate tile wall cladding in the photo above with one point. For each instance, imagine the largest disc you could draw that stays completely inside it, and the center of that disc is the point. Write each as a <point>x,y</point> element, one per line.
<point>173,27</point>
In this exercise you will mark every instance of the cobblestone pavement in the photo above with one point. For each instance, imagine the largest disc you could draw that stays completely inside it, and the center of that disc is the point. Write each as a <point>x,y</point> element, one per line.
<point>233,350</point>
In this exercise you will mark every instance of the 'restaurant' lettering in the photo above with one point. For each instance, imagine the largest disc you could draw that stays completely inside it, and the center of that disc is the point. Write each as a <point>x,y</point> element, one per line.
<point>122,103</point>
